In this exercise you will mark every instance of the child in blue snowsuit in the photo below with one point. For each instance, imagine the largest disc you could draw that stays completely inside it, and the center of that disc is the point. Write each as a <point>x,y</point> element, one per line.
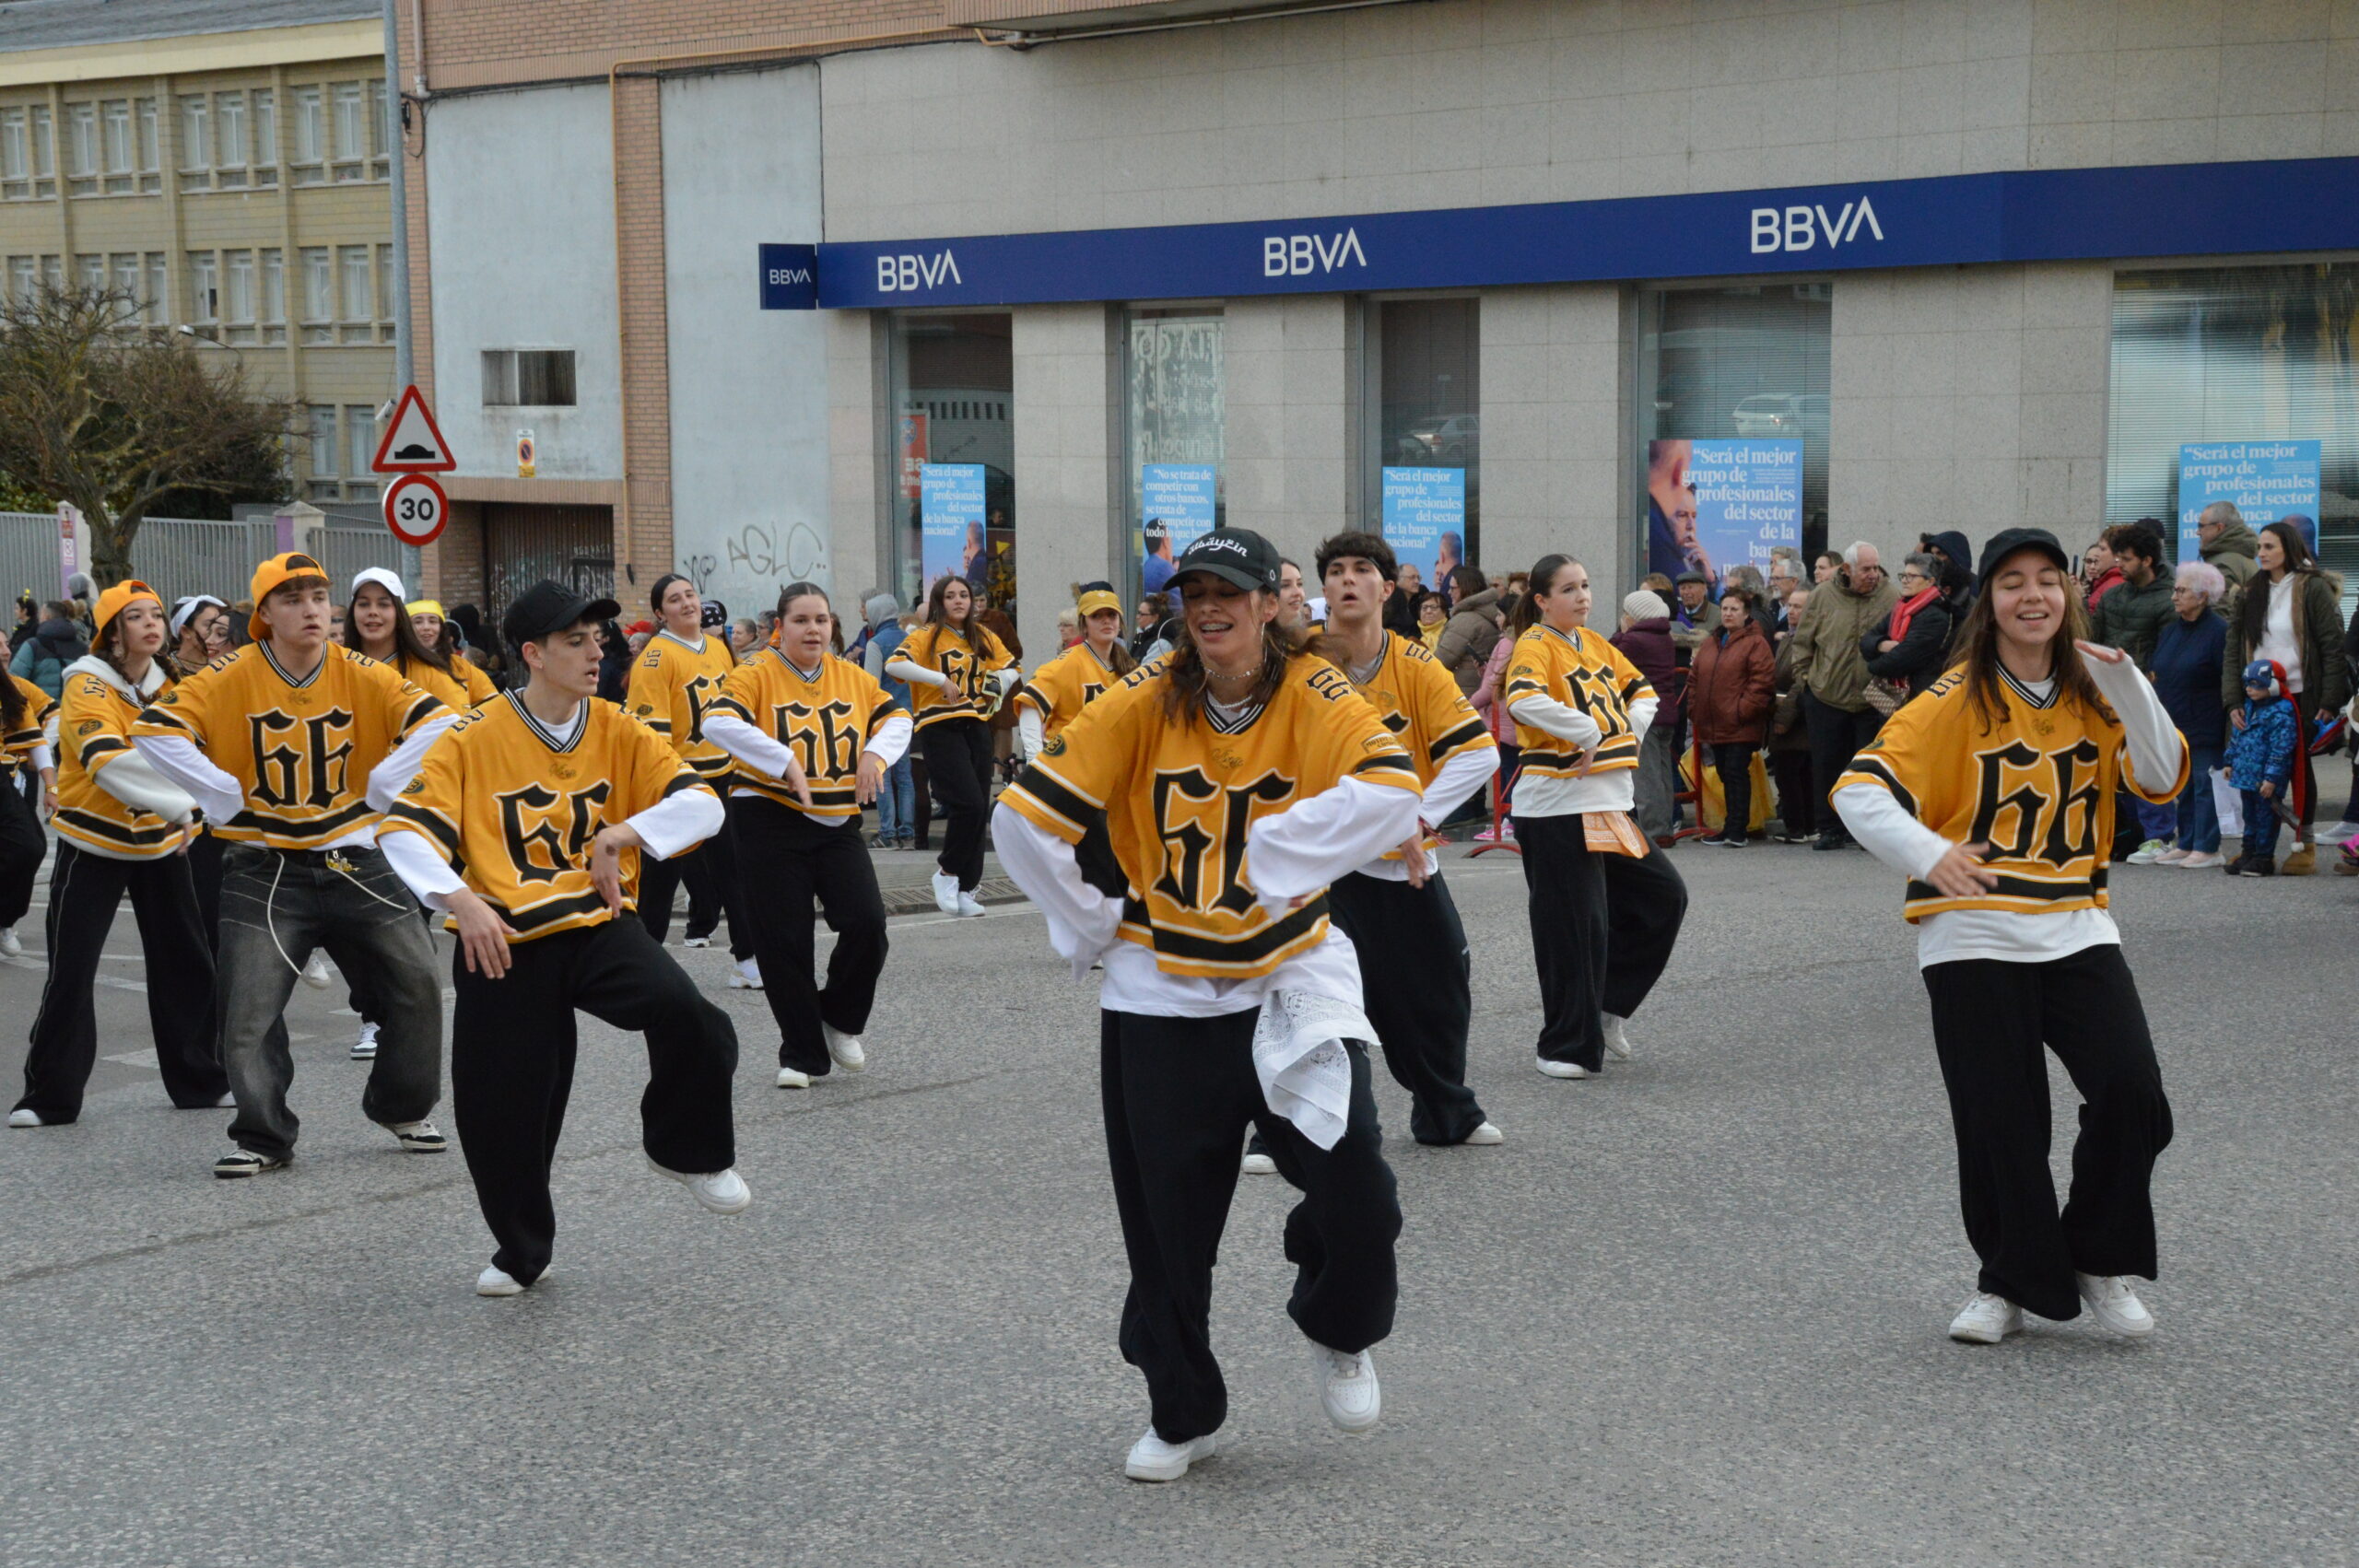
<point>2260,764</point>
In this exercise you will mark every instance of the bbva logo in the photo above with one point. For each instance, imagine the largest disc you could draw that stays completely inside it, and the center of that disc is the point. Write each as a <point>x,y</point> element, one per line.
<point>788,277</point>
<point>1299,255</point>
<point>1801,229</point>
<point>905,275</point>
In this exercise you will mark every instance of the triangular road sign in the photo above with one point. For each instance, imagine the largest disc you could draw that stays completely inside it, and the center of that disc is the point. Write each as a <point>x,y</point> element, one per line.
<point>412,442</point>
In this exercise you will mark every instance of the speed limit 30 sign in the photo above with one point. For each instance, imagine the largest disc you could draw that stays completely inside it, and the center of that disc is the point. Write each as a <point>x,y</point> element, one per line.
<point>415,508</point>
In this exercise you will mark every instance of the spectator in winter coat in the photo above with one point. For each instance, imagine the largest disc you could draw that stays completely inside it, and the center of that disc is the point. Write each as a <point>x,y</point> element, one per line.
<point>1472,629</point>
<point>1790,738</point>
<point>2134,609</point>
<point>2186,669</point>
<point>1831,674</point>
<point>28,621</point>
<point>1728,696</point>
<point>56,643</point>
<point>1909,647</point>
<point>2229,544</point>
<point>2291,613</point>
<point>1693,616</point>
<point>2260,762</point>
<point>1953,573</point>
<point>2099,570</point>
<point>1644,639</point>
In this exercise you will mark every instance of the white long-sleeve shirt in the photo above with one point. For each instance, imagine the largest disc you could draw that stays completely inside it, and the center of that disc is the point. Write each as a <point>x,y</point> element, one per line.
<point>1612,790</point>
<point>769,754</point>
<point>1453,782</point>
<point>221,795</point>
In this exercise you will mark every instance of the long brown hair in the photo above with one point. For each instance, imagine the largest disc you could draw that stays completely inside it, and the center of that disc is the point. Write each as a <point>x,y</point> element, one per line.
<point>2252,611</point>
<point>1978,655</point>
<point>938,617</point>
<point>1526,613</point>
<point>107,649</point>
<point>1185,677</point>
<point>408,648</point>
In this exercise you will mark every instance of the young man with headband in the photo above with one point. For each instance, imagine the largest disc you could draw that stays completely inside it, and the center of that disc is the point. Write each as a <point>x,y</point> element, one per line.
<point>547,798</point>
<point>291,746</point>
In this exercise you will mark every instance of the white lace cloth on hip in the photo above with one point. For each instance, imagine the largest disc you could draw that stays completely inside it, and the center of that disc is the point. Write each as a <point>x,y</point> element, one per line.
<point>1298,1053</point>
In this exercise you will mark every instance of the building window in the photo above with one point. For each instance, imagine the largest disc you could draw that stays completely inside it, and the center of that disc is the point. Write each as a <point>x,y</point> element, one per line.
<point>952,376</point>
<point>24,282</point>
<point>266,164</point>
<point>359,315</point>
<point>382,131</point>
<point>1425,455</point>
<point>44,154</point>
<point>352,135</point>
<point>274,297</point>
<point>2239,354</point>
<point>323,454</point>
<point>528,378</point>
<point>310,136</point>
<point>90,274</point>
<point>237,301</point>
<point>82,149</point>
<point>360,449</point>
<point>15,155</point>
<point>1176,435</point>
<point>155,300</point>
<point>53,273</point>
<point>120,142</point>
<point>196,137</point>
<point>230,124</point>
<point>204,288</point>
<point>123,276</point>
<point>151,148</point>
<point>319,295</point>
<point>1746,364</point>
<point>384,294</point>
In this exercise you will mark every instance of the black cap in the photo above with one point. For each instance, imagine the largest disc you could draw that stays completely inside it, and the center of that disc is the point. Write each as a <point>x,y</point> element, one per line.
<point>2008,541</point>
<point>1692,574</point>
<point>1236,556</point>
<point>713,615</point>
<point>547,608</point>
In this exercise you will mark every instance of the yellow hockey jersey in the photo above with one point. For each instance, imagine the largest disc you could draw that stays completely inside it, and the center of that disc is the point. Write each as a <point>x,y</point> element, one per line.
<point>303,750</point>
<point>463,688</point>
<point>670,686</point>
<point>1419,702</point>
<point>1066,684</point>
<point>17,745</point>
<point>94,725</point>
<point>2038,786</point>
<point>1585,671</point>
<point>1177,800</point>
<point>513,805</point>
<point>944,649</point>
<point>827,720</point>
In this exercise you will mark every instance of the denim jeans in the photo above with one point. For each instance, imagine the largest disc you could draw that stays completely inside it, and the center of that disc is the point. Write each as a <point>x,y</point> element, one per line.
<point>897,802</point>
<point>276,908</point>
<point>2261,825</point>
<point>2199,813</point>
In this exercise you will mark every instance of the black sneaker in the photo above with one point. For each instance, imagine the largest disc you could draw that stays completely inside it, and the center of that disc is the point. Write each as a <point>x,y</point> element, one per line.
<point>2260,865</point>
<point>245,1163</point>
<point>1831,841</point>
<point>2235,865</point>
<point>1728,843</point>
<point>1709,838</point>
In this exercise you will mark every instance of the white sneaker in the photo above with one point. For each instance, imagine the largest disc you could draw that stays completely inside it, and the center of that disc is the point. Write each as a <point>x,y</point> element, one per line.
<point>747,975</point>
<point>2172,856</point>
<point>723,1192</point>
<point>1153,1459</point>
<point>365,1048</point>
<point>2113,1303</point>
<point>969,906</point>
<point>946,893</point>
<point>1347,1389</point>
<point>419,1137</point>
<point>1986,1320</point>
<point>1258,1165</point>
<point>696,942</point>
<point>1561,1069</point>
<point>788,1078</point>
<point>498,1281</point>
<point>10,944</point>
<point>1486,1135</point>
<point>2146,854</point>
<point>843,1049</point>
<point>24,1119</point>
<point>226,1102</point>
<point>1618,1039</point>
<point>315,972</point>
<point>2201,860</point>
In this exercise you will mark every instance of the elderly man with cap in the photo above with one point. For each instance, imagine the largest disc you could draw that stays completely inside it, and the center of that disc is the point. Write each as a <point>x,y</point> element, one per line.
<point>528,824</point>
<point>291,746</point>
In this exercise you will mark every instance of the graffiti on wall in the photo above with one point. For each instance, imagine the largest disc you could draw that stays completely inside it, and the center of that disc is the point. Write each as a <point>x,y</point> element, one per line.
<point>755,561</point>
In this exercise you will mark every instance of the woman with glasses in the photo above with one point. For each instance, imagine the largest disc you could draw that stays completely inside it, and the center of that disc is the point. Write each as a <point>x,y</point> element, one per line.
<point>1908,650</point>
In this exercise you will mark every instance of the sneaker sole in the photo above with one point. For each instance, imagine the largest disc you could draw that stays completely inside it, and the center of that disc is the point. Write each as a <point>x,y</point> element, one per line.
<point>2113,1325</point>
<point>1257,1165</point>
<point>240,1173</point>
<point>1979,1337</point>
<point>1171,1471</point>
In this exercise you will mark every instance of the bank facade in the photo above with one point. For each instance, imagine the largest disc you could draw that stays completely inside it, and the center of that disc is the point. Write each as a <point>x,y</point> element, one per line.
<point>1978,264</point>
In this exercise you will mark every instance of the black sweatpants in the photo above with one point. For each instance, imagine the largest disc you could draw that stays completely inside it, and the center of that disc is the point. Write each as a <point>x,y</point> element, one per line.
<point>1836,736</point>
<point>205,869</point>
<point>1178,1093</point>
<point>1733,761</point>
<point>512,1069</point>
<point>22,845</point>
<point>958,763</point>
<point>790,860</point>
<point>1416,984</point>
<point>1603,927</point>
<point>1989,1020</point>
<point>1798,803</point>
<point>713,864</point>
<point>84,891</point>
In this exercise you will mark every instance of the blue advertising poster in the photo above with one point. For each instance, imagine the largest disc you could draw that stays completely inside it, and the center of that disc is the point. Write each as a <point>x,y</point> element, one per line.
<point>950,521</point>
<point>1177,502</point>
<point>1715,504</point>
<point>1425,519</point>
<point>2269,481</point>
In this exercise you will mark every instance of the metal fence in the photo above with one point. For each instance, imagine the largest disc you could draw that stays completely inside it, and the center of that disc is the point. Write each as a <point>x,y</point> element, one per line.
<point>180,555</point>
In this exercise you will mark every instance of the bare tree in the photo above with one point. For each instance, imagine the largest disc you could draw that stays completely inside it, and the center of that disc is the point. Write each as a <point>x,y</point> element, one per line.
<point>105,411</point>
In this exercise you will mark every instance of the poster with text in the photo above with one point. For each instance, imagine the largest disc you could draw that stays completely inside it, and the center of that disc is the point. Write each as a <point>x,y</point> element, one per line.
<point>1177,502</point>
<point>950,522</point>
<point>2268,480</point>
<point>1715,504</point>
<point>1425,521</point>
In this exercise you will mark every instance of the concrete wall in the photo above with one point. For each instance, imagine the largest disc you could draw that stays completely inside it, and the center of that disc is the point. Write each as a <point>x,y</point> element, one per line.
<point>1068,462</point>
<point>1553,473</point>
<point>749,387</point>
<point>1293,403</point>
<point>856,447</point>
<point>521,196</point>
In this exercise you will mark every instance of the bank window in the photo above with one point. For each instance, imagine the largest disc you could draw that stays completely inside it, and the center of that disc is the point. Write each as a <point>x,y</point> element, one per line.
<point>1732,425</point>
<point>1175,438</point>
<point>528,378</point>
<point>2253,358</point>
<point>1424,454</point>
<point>953,378</point>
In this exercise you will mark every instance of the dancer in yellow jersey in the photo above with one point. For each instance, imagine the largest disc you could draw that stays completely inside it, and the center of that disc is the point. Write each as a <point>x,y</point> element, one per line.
<point>957,672</point>
<point>27,712</point>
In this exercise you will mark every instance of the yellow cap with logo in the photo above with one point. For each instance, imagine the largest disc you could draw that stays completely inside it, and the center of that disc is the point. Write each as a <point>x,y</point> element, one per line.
<point>1095,596</point>
<point>113,601</point>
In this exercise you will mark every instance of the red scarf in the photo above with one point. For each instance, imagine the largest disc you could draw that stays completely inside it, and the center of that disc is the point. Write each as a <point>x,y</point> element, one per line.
<point>1905,611</point>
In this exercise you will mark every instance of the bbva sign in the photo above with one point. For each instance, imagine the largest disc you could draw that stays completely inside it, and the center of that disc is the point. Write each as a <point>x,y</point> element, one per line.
<point>907,274</point>
<point>1299,255</point>
<point>1803,229</point>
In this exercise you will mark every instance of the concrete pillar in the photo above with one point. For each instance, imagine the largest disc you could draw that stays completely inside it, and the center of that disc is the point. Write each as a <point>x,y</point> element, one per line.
<point>1292,396</point>
<point>860,452</point>
<point>1554,469</point>
<point>1068,420</point>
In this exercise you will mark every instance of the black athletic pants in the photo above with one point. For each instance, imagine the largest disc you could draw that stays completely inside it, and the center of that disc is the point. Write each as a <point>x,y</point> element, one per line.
<point>791,859</point>
<point>1603,927</point>
<point>512,1069</point>
<point>1836,736</point>
<point>1797,804</point>
<point>84,891</point>
<point>22,846</point>
<point>1989,1020</point>
<point>958,763</point>
<point>1178,1093</point>
<point>205,868</point>
<point>712,863</point>
<point>1416,984</point>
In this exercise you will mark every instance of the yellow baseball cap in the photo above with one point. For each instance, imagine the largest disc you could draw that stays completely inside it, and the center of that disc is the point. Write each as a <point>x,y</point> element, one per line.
<point>1095,596</point>
<point>426,607</point>
<point>275,574</point>
<point>113,601</point>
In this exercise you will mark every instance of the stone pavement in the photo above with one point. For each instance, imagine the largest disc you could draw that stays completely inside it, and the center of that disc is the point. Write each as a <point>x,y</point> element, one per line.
<point>1691,1312</point>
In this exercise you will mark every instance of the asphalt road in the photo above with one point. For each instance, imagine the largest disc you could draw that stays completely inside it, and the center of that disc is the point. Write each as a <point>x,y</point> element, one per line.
<point>1692,1311</point>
